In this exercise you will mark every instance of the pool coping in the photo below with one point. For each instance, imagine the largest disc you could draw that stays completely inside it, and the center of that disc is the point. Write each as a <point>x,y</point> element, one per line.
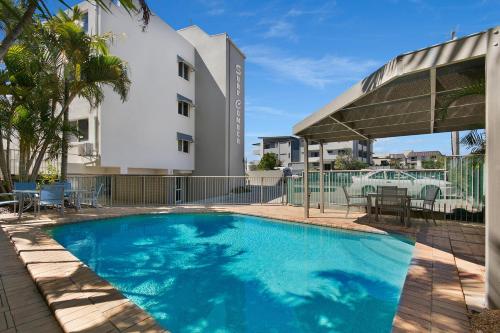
<point>84,301</point>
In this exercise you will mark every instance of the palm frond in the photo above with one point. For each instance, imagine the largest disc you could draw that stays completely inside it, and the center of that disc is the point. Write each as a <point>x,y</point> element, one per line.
<point>475,141</point>
<point>476,88</point>
<point>108,70</point>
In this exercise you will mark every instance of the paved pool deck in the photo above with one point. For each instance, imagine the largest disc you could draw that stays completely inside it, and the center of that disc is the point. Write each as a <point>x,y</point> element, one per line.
<point>44,288</point>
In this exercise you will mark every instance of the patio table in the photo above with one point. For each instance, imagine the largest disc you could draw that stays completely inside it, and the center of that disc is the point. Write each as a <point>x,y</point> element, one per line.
<point>373,196</point>
<point>23,194</point>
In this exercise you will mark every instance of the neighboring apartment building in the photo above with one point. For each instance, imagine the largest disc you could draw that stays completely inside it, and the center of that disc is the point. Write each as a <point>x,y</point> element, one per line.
<point>408,160</point>
<point>287,148</point>
<point>359,150</point>
<point>291,151</point>
<point>185,109</point>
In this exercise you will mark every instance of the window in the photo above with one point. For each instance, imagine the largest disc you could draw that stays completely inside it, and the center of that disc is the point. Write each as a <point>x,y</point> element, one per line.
<point>183,146</point>
<point>183,108</point>
<point>270,145</point>
<point>391,175</point>
<point>377,175</point>
<point>82,128</point>
<point>85,22</point>
<point>184,70</point>
<point>405,176</point>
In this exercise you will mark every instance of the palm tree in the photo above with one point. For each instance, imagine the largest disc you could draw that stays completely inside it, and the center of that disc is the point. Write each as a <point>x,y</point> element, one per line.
<point>44,72</point>
<point>28,94</point>
<point>18,14</point>
<point>86,67</point>
<point>475,141</point>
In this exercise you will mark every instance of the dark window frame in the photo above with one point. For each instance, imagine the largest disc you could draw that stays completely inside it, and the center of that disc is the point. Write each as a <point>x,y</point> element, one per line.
<point>183,70</point>
<point>183,146</point>
<point>85,21</point>
<point>183,108</point>
<point>83,130</point>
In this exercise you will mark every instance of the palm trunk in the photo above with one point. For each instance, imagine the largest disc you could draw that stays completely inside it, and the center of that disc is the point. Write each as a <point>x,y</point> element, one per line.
<point>39,160</point>
<point>65,137</point>
<point>4,164</point>
<point>11,37</point>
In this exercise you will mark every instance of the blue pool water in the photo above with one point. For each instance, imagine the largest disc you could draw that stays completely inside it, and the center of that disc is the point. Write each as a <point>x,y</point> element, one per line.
<point>236,273</point>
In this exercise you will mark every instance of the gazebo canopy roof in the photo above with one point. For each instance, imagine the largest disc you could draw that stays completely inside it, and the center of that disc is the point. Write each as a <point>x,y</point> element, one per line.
<point>406,95</point>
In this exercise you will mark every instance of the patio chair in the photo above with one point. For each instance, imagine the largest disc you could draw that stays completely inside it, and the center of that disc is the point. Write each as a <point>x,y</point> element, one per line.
<point>393,200</point>
<point>50,195</point>
<point>356,202</point>
<point>428,201</point>
<point>25,186</point>
<point>95,196</point>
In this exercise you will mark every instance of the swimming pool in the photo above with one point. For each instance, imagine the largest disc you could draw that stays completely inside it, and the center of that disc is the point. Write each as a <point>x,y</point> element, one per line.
<point>236,273</point>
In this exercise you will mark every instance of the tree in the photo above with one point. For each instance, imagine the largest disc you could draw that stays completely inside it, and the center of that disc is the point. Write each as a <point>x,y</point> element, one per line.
<point>268,162</point>
<point>86,67</point>
<point>29,92</point>
<point>21,13</point>
<point>438,163</point>
<point>45,71</point>
<point>395,163</point>
<point>475,141</point>
<point>346,162</point>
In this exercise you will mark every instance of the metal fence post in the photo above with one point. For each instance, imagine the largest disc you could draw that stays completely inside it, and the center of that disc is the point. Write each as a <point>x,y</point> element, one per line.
<point>205,197</point>
<point>144,190</point>
<point>261,190</point>
<point>282,189</point>
<point>112,190</point>
<point>175,190</point>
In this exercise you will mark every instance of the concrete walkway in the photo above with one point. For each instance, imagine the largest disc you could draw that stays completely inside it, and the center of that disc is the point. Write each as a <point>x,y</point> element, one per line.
<point>445,280</point>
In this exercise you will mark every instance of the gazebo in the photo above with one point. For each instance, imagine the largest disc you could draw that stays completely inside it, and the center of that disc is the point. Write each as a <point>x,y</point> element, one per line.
<point>405,97</point>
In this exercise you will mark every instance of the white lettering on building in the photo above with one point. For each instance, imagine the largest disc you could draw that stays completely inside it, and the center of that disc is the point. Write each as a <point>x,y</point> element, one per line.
<point>237,103</point>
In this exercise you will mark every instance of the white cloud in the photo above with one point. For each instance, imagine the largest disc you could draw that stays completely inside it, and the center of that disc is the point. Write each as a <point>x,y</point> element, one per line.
<point>280,28</point>
<point>214,7</point>
<point>216,11</point>
<point>314,72</point>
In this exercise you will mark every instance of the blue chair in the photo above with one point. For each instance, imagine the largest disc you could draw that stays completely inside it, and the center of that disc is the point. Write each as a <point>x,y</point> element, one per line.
<point>66,185</point>
<point>51,195</point>
<point>25,186</point>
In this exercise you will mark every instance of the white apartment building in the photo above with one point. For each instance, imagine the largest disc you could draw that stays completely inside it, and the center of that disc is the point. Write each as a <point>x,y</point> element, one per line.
<point>359,150</point>
<point>185,109</point>
<point>286,148</point>
<point>290,151</point>
<point>408,159</point>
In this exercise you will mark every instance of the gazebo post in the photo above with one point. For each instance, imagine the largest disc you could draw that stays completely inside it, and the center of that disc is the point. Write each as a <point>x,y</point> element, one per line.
<point>493,169</point>
<point>305,178</point>
<point>321,180</point>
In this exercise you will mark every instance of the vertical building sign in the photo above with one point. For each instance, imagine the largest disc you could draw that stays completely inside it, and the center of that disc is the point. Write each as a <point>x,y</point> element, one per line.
<point>236,111</point>
<point>237,104</point>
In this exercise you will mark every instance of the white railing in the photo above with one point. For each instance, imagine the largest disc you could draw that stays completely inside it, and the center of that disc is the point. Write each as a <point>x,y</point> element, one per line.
<point>131,190</point>
<point>460,184</point>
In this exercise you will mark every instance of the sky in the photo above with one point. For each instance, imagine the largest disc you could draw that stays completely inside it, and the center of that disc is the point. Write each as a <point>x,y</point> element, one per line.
<point>302,54</point>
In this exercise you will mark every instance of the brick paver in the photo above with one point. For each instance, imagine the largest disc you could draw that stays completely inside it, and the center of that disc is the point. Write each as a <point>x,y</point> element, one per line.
<point>445,279</point>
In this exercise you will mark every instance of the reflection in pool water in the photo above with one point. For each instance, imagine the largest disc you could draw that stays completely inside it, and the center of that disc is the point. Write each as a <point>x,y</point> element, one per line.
<point>236,273</point>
